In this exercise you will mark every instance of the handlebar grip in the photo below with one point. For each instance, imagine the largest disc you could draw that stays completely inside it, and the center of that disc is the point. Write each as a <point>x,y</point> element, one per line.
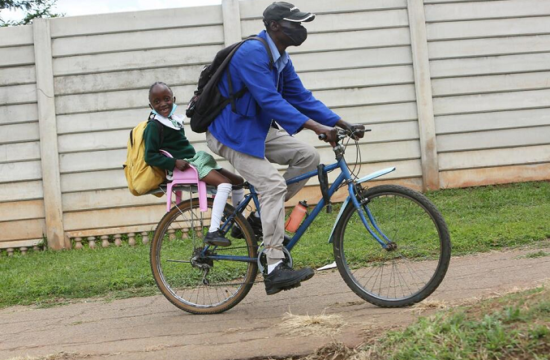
<point>322,136</point>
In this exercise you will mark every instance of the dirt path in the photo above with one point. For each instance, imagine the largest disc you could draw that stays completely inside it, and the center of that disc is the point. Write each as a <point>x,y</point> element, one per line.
<point>152,328</point>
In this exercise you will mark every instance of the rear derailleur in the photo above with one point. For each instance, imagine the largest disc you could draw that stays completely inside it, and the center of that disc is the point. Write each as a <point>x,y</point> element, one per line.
<point>201,260</point>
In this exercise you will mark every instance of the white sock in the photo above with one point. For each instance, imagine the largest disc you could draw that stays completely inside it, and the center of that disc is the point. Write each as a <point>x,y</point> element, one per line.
<point>220,200</point>
<point>270,268</point>
<point>237,196</point>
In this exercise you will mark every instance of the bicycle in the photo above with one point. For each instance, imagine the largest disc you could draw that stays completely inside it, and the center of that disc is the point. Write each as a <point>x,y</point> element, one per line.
<point>402,261</point>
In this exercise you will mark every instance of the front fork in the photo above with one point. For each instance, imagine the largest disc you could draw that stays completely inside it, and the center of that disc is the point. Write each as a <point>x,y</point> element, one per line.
<point>360,203</point>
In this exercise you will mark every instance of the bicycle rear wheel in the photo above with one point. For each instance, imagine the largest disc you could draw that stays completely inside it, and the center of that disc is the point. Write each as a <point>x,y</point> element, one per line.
<point>188,279</point>
<point>415,267</point>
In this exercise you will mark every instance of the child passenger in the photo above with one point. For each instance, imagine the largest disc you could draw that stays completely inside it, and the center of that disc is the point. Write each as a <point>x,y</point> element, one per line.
<point>162,103</point>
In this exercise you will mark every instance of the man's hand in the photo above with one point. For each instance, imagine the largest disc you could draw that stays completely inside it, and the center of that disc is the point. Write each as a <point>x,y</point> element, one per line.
<point>182,164</point>
<point>357,130</point>
<point>331,134</point>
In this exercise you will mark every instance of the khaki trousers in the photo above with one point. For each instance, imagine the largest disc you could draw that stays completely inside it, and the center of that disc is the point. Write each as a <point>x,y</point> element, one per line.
<point>282,149</point>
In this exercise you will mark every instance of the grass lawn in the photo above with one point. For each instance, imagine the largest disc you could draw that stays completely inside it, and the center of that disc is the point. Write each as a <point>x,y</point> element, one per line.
<point>515,326</point>
<point>47,278</point>
<point>479,219</point>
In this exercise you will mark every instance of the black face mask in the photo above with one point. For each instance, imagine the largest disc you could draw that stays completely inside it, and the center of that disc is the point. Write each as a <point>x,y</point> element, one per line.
<point>296,35</point>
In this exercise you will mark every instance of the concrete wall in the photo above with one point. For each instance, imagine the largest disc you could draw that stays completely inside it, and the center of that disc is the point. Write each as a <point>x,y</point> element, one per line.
<point>456,93</point>
<point>22,215</point>
<point>490,66</point>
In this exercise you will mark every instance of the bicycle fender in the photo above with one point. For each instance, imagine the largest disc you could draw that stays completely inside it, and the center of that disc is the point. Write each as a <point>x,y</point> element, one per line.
<point>376,174</point>
<point>344,205</point>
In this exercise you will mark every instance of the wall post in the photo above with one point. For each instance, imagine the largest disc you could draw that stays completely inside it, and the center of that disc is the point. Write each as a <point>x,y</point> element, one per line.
<point>231,29</point>
<point>423,89</point>
<point>231,21</point>
<point>49,153</point>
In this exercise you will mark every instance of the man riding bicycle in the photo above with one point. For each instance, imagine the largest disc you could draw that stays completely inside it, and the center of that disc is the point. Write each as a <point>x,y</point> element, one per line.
<point>258,133</point>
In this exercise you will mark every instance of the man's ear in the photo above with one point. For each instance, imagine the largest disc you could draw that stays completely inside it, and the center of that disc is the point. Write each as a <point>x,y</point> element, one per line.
<point>274,25</point>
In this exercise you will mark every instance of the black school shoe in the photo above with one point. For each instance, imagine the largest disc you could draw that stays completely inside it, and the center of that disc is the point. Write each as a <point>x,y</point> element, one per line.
<point>283,277</point>
<point>216,239</point>
<point>255,223</point>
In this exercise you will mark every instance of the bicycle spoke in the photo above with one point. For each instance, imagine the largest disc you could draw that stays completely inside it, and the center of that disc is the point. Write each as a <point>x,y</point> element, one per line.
<point>178,261</point>
<point>400,277</point>
<point>381,278</point>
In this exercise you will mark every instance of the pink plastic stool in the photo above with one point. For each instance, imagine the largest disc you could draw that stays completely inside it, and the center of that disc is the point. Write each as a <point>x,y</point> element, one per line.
<point>189,176</point>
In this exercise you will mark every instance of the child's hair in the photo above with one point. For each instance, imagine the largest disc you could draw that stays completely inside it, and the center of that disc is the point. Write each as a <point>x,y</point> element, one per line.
<point>158,83</point>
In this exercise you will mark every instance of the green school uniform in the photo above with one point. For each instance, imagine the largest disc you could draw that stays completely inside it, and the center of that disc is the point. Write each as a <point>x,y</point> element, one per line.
<point>174,142</point>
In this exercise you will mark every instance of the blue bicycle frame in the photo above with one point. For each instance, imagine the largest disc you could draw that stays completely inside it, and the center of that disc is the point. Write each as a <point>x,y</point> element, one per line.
<point>345,176</point>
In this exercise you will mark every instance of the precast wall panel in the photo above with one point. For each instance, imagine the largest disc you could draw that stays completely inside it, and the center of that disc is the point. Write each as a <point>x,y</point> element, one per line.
<point>21,196</point>
<point>490,72</point>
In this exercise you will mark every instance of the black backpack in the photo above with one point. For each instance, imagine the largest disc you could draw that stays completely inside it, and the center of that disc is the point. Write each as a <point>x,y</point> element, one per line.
<point>207,102</point>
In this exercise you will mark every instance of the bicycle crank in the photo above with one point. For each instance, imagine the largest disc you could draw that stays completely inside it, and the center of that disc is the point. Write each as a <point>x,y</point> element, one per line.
<point>262,259</point>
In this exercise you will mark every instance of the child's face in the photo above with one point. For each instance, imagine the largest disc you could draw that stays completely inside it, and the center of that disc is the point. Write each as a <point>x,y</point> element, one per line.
<point>161,100</point>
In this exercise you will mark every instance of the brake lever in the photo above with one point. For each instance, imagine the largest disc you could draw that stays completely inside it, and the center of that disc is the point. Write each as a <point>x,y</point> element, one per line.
<point>342,134</point>
<point>358,132</point>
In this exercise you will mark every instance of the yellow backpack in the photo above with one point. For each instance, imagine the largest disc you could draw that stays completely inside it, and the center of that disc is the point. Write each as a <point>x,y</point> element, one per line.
<point>140,176</point>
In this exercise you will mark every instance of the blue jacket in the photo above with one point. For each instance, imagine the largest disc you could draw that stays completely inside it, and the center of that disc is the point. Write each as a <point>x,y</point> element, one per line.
<point>289,104</point>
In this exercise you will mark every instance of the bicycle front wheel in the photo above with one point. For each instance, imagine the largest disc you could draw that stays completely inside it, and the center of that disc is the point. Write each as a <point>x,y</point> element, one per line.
<point>187,275</point>
<point>417,259</point>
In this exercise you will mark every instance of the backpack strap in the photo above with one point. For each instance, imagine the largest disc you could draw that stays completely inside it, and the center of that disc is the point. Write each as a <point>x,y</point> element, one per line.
<point>266,45</point>
<point>160,127</point>
<point>241,92</point>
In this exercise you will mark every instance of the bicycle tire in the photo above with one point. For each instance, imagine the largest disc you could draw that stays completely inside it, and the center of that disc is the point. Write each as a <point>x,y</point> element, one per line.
<point>180,278</point>
<point>422,256</point>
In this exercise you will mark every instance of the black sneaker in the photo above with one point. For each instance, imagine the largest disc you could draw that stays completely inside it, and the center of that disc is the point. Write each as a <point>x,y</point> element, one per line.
<point>286,278</point>
<point>255,223</point>
<point>216,238</point>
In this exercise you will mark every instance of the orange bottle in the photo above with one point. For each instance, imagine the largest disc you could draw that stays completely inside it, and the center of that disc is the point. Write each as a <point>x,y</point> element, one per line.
<point>296,216</point>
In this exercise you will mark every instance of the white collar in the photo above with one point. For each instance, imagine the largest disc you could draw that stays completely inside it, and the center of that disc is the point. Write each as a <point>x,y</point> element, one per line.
<point>175,121</point>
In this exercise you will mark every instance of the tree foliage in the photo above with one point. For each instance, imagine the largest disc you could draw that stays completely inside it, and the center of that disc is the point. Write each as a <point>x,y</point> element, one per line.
<point>32,9</point>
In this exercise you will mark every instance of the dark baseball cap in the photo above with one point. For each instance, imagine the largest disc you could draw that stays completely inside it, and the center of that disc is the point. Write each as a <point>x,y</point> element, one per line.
<point>286,11</point>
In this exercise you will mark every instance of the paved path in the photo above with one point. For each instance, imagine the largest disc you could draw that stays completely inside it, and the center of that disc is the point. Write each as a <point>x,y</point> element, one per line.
<point>152,328</point>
